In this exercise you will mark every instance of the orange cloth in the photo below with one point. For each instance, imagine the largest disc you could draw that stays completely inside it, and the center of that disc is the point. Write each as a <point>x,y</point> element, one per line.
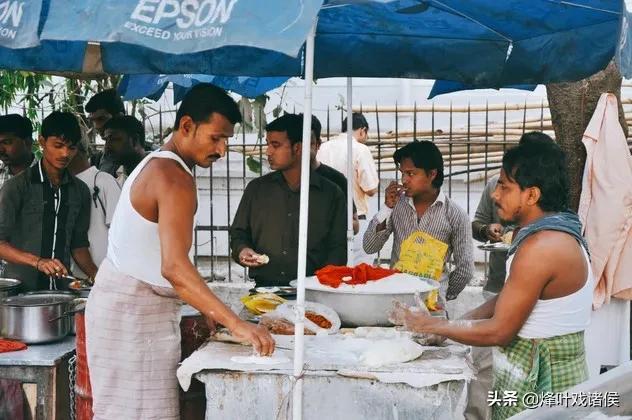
<point>332,275</point>
<point>10,345</point>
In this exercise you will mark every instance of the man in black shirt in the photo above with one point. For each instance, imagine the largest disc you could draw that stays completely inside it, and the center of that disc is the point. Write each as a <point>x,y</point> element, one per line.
<point>327,171</point>
<point>266,222</point>
<point>45,211</point>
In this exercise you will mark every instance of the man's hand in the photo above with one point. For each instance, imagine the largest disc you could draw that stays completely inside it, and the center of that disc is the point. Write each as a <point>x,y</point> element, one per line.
<point>51,267</point>
<point>257,335</point>
<point>392,194</point>
<point>494,232</point>
<point>249,258</point>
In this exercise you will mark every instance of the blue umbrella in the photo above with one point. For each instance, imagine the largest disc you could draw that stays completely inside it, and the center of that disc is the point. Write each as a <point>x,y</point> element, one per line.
<point>478,42</point>
<point>152,86</point>
<point>442,87</point>
<point>19,23</point>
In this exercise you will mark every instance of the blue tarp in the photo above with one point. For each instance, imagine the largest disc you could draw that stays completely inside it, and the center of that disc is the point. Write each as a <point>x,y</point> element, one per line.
<point>152,86</point>
<point>180,27</point>
<point>442,87</point>
<point>481,43</point>
<point>19,21</point>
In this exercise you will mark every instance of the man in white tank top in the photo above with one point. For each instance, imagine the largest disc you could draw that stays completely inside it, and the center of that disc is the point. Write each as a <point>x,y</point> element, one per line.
<point>537,321</point>
<point>148,267</point>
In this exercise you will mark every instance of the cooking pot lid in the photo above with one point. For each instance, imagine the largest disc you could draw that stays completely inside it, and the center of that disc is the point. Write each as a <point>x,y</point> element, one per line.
<point>8,283</point>
<point>37,299</point>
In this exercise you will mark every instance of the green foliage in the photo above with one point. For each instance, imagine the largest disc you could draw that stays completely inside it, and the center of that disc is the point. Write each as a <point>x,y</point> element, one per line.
<point>253,164</point>
<point>29,84</point>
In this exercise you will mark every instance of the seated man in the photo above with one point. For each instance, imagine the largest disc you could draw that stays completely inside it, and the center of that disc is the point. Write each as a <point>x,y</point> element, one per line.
<point>45,212</point>
<point>124,144</point>
<point>537,321</point>
<point>16,140</point>
<point>266,222</point>
<point>428,227</point>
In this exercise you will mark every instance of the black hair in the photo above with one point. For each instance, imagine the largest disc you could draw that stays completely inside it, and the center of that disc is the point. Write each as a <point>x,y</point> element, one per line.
<point>205,99</point>
<point>358,121</point>
<point>542,165</point>
<point>108,100</point>
<point>62,124</point>
<point>316,128</point>
<point>129,125</point>
<point>425,155</point>
<point>292,124</point>
<point>17,125</point>
<point>535,137</point>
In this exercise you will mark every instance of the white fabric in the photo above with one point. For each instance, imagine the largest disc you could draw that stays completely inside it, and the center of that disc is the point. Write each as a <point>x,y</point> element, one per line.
<point>560,316</point>
<point>359,255</point>
<point>109,192</point>
<point>607,340</point>
<point>134,243</point>
<point>334,154</point>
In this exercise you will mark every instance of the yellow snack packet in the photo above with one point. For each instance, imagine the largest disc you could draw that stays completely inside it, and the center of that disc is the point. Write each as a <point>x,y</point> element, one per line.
<point>261,303</point>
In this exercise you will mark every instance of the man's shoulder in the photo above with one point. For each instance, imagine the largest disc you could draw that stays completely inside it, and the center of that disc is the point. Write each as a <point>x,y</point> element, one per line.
<point>330,173</point>
<point>328,185</point>
<point>79,184</point>
<point>453,209</point>
<point>20,180</point>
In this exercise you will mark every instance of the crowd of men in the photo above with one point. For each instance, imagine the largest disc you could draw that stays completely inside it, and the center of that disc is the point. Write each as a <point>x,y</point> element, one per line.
<point>125,217</point>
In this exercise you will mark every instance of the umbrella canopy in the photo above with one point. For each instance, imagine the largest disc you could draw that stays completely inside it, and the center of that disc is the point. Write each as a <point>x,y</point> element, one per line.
<point>481,43</point>
<point>19,21</point>
<point>150,86</point>
<point>443,87</point>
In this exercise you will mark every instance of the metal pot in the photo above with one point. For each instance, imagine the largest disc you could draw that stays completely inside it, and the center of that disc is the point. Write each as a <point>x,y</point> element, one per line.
<point>9,287</point>
<point>36,317</point>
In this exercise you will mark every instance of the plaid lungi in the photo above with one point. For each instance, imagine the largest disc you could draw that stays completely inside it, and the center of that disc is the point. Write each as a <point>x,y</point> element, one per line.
<point>537,365</point>
<point>133,347</point>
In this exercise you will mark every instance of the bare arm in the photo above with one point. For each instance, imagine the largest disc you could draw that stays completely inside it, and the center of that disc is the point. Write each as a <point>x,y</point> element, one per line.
<point>512,306</point>
<point>176,201</point>
<point>48,266</point>
<point>84,260</point>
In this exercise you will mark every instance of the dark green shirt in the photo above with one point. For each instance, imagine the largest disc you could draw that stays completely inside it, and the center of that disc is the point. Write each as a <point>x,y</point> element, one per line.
<point>267,222</point>
<point>34,216</point>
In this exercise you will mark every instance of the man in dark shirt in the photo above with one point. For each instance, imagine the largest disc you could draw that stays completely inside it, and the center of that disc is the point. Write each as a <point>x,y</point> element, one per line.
<point>327,171</point>
<point>102,107</point>
<point>45,211</point>
<point>124,143</point>
<point>16,139</point>
<point>266,222</point>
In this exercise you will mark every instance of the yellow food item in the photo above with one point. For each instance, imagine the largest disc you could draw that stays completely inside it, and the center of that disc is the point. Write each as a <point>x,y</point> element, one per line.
<point>432,300</point>
<point>507,237</point>
<point>261,303</point>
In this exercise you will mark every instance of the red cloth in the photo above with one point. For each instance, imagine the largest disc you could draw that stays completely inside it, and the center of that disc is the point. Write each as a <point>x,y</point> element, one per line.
<point>10,345</point>
<point>332,275</point>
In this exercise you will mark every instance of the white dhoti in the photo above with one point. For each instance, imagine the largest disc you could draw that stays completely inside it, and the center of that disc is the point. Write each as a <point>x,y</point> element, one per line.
<point>607,337</point>
<point>133,347</point>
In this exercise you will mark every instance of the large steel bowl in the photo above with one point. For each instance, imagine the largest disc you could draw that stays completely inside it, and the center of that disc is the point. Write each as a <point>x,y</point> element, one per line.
<point>366,306</point>
<point>360,310</point>
<point>9,287</point>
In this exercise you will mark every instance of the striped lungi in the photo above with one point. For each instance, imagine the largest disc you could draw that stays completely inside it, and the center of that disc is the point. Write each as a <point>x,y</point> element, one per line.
<point>541,366</point>
<point>133,347</point>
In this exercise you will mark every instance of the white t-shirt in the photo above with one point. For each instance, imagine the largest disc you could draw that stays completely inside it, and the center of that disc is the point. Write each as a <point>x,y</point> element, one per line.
<point>101,212</point>
<point>365,177</point>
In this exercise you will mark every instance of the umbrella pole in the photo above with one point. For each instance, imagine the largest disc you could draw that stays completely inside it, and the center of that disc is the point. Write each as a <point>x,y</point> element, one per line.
<point>349,172</point>
<point>299,325</point>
